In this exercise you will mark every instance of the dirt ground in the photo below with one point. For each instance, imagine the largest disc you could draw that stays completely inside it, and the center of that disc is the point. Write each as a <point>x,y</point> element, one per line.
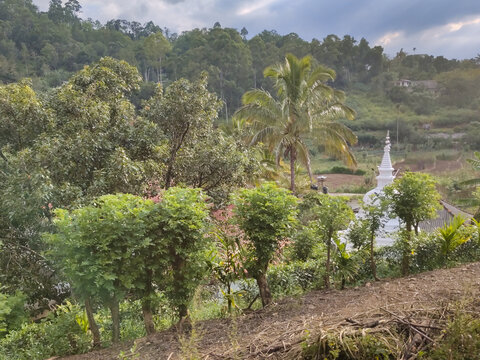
<point>274,331</point>
<point>335,181</point>
<point>437,167</point>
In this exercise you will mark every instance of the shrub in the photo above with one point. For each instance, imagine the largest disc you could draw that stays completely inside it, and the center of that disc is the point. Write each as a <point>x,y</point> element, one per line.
<point>12,312</point>
<point>63,332</point>
<point>296,277</point>
<point>461,340</point>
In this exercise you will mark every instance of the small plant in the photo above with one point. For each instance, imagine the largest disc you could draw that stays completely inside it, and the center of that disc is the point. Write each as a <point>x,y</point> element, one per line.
<point>131,354</point>
<point>450,237</point>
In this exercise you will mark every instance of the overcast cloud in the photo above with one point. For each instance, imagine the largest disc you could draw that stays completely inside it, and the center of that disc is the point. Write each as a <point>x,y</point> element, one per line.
<point>438,27</point>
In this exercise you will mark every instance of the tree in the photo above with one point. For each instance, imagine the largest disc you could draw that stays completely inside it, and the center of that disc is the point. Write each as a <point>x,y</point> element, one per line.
<point>306,108</point>
<point>100,248</point>
<point>180,224</point>
<point>327,215</point>
<point>96,144</point>
<point>22,116</point>
<point>413,198</point>
<point>364,230</point>
<point>156,48</point>
<point>185,113</point>
<point>346,263</point>
<point>450,237</point>
<point>266,214</point>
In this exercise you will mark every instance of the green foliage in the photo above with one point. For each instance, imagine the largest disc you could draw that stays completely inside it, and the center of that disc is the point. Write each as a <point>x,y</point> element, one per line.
<point>180,226</point>
<point>99,245</point>
<point>461,339</point>
<point>102,249</point>
<point>365,347</point>
<point>327,215</point>
<point>295,277</point>
<point>450,237</point>
<point>305,107</point>
<point>267,215</point>
<point>198,154</point>
<point>57,335</point>
<point>12,312</point>
<point>22,116</point>
<point>413,198</point>
<point>346,264</point>
<point>304,242</point>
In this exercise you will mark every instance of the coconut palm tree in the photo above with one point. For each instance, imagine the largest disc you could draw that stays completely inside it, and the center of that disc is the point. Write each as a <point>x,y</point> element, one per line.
<point>305,106</point>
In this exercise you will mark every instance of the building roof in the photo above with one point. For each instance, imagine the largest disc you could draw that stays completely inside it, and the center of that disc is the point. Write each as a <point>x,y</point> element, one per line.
<point>444,216</point>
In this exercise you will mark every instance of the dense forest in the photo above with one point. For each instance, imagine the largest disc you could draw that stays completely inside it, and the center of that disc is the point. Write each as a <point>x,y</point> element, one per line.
<point>49,47</point>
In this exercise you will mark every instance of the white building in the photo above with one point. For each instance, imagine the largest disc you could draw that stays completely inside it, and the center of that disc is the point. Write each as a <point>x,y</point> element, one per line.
<point>385,177</point>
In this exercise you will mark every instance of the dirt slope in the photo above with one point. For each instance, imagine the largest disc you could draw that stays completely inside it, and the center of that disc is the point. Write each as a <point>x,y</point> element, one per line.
<point>273,331</point>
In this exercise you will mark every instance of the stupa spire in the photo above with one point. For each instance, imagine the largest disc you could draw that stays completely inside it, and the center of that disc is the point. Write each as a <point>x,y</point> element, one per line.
<point>385,170</point>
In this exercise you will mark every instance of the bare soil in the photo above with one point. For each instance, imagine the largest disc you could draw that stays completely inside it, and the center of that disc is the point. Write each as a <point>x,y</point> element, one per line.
<point>275,331</point>
<point>336,181</point>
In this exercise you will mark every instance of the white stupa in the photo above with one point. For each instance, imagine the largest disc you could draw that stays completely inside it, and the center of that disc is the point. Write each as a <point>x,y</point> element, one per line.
<point>384,178</point>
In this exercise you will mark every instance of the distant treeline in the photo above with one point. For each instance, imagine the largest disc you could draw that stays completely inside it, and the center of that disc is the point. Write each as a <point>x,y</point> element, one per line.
<point>49,46</point>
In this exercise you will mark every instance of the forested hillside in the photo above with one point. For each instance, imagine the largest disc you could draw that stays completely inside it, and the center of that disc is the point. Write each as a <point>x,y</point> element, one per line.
<point>49,47</point>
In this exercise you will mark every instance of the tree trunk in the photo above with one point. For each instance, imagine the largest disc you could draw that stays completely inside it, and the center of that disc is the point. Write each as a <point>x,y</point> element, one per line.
<point>406,250</point>
<point>265,293</point>
<point>373,266</point>
<point>147,304</point>
<point>173,155</point>
<point>178,286</point>
<point>97,343</point>
<point>148,316</point>
<point>115,312</point>
<point>292,168</point>
<point>327,264</point>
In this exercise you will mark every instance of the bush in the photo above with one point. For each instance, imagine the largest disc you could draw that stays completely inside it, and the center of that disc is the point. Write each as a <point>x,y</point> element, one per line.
<point>295,277</point>
<point>461,340</point>
<point>340,170</point>
<point>63,332</point>
<point>304,242</point>
<point>12,312</point>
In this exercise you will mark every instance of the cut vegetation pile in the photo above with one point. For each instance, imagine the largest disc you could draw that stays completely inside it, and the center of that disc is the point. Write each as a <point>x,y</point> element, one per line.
<point>406,318</point>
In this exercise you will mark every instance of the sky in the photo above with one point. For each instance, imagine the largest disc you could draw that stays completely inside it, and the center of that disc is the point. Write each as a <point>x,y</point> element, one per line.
<point>436,27</point>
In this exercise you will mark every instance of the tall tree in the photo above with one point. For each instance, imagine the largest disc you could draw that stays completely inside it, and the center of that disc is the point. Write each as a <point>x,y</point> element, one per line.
<point>305,107</point>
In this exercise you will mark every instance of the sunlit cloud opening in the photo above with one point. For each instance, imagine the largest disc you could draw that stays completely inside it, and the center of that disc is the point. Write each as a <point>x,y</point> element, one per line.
<point>257,5</point>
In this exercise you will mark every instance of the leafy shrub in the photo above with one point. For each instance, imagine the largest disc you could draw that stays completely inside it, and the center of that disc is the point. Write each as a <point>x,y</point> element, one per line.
<point>461,340</point>
<point>366,347</point>
<point>303,244</point>
<point>341,170</point>
<point>63,332</point>
<point>12,312</point>
<point>295,277</point>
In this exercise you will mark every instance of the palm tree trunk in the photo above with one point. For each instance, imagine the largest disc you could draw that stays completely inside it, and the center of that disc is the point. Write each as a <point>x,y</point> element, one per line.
<point>293,155</point>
